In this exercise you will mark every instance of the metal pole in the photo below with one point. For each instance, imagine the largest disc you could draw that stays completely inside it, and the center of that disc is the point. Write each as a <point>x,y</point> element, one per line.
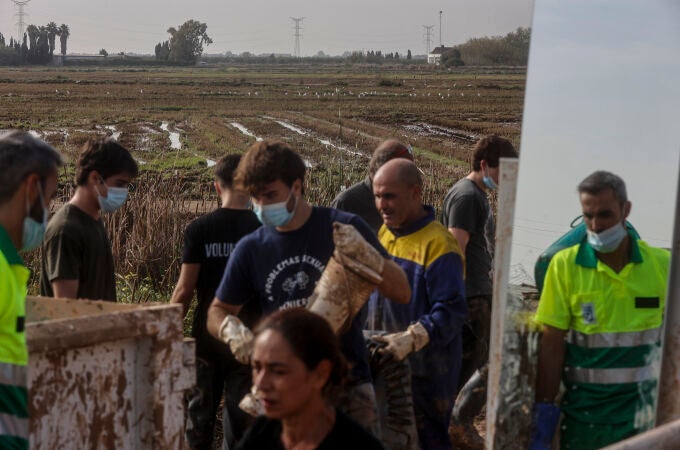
<point>506,216</point>
<point>668,406</point>
<point>440,29</point>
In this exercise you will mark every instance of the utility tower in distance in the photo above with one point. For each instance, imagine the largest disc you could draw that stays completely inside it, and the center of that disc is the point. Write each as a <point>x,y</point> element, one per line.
<point>428,36</point>
<point>21,14</point>
<point>297,28</point>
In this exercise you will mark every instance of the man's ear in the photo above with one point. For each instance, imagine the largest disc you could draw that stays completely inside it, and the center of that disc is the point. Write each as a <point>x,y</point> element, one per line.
<point>217,188</point>
<point>626,209</point>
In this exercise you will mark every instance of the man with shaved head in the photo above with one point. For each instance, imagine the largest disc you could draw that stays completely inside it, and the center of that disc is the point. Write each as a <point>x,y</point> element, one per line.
<point>428,329</point>
<point>358,199</point>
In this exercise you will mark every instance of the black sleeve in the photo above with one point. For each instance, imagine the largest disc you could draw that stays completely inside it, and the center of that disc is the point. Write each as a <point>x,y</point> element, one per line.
<point>462,211</point>
<point>192,251</point>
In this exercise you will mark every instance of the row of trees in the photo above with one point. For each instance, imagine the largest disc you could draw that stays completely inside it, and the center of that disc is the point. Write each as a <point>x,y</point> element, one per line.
<point>510,50</point>
<point>378,57</point>
<point>186,43</point>
<point>37,46</point>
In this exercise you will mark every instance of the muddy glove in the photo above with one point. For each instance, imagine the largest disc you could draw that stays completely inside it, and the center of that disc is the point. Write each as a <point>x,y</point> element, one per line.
<point>238,337</point>
<point>251,404</point>
<point>352,273</point>
<point>400,345</point>
<point>544,419</point>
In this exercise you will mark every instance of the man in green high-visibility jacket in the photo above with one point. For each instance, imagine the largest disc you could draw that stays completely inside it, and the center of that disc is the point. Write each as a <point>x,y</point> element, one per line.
<point>28,180</point>
<point>602,313</point>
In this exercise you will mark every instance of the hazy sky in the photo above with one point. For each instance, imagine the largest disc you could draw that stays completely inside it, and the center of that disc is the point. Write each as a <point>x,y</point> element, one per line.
<point>261,26</point>
<point>602,93</point>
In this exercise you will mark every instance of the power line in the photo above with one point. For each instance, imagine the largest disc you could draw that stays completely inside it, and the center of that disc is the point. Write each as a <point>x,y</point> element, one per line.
<point>428,36</point>
<point>298,27</point>
<point>21,14</point>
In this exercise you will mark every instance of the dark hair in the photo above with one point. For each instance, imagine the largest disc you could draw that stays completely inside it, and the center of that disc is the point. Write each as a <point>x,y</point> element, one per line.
<point>491,149</point>
<point>386,151</point>
<point>311,339</point>
<point>225,168</point>
<point>107,157</point>
<point>22,155</point>
<point>600,180</point>
<point>265,162</point>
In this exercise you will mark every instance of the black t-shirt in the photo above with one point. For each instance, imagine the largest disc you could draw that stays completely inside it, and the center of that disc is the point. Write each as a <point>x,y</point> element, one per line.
<point>77,247</point>
<point>209,241</point>
<point>345,435</point>
<point>358,199</point>
<point>467,207</point>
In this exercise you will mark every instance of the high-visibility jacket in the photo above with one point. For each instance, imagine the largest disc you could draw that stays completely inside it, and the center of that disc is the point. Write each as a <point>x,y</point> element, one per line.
<point>614,323</point>
<point>13,352</point>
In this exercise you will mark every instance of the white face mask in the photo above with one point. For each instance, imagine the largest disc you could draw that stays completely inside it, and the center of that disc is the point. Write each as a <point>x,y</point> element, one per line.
<point>115,198</point>
<point>608,240</point>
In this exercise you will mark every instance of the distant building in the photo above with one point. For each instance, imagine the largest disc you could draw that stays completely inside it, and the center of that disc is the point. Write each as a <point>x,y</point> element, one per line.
<point>435,56</point>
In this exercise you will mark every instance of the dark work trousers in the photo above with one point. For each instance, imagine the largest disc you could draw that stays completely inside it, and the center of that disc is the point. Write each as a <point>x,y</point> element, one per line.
<point>474,371</point>
<point>213,377</point>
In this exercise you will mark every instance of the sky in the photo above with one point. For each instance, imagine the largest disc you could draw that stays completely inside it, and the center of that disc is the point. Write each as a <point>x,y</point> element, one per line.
<point>602,93</point>
<point>264,26</point>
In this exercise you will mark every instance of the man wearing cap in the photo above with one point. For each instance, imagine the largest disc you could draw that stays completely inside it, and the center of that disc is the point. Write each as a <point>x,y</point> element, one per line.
<point>602,311</point>
<point>358,198</point>
<point>28,181</point>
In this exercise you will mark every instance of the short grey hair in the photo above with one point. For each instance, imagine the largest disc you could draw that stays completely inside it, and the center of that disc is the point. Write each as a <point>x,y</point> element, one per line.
<point>22,155</point>
<point>598,181</point>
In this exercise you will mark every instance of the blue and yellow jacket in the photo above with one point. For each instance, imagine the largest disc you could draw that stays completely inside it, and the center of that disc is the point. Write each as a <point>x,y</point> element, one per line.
<point>433,263</point>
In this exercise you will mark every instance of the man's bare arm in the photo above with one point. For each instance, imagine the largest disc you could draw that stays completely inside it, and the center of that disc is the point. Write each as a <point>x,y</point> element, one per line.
<point>217,312</point>
<point>395,284</point>
<point>550,364</point>
<point>65,288</point>
<point>184,290</point>
<point>462,236</point>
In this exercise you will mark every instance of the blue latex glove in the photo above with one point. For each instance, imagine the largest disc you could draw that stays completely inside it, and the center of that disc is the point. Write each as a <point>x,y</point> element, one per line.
<point>544,420</point>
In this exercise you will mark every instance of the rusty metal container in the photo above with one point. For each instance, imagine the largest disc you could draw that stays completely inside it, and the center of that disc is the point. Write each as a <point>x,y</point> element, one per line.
<point>107,375</point>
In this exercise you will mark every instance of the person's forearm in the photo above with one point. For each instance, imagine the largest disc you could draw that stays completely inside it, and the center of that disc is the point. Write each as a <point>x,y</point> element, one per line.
<point>216,314</point>
<point>182,296</point>
<point>550,364</point>
<point>395,285</point>
<point>65,288</point>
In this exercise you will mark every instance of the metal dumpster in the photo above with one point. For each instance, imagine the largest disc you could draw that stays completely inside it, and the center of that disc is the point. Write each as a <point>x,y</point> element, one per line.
<point>107,375</point>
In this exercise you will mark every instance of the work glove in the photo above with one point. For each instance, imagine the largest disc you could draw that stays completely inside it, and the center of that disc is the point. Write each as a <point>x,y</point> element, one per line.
<point>400,345</point>
<point>544,420</point>
<point>251,404</point>
<point>238,337</point>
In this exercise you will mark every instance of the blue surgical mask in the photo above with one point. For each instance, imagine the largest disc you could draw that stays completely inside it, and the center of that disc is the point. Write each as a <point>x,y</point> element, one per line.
<point>276,214</point>
<point>608,240</point>
<point>114,199</point>
<point>34,231</point>
<point>489,183</point>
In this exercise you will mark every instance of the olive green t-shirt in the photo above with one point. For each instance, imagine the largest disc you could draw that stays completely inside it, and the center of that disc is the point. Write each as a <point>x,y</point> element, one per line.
<point>77,247</point>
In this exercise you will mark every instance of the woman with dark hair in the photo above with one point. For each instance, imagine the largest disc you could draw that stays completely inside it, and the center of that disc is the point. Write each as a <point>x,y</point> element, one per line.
<point>297,364</point>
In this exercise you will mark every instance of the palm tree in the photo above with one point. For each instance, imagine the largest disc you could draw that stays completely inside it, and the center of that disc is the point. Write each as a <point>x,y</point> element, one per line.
<point>32,31</point>
<point>64,33</point>
<point>52,32</point>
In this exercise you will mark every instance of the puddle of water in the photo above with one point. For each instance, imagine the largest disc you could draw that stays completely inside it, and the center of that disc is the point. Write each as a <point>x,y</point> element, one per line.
<point>141,162</point>
<point>244,130</point>
<point>210,162</point>
<point>292,127</point>
<point>114,131</point>
<point>175,143</point>
<point>339,147</point>
<point>426,129</point>
<point>34,133</point>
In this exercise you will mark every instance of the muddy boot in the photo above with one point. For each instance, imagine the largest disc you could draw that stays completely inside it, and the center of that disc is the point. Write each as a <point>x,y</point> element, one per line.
<point>469,404</point>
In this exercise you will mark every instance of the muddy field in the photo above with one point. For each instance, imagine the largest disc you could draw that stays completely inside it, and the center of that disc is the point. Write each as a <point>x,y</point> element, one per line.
<point>178,122</point>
